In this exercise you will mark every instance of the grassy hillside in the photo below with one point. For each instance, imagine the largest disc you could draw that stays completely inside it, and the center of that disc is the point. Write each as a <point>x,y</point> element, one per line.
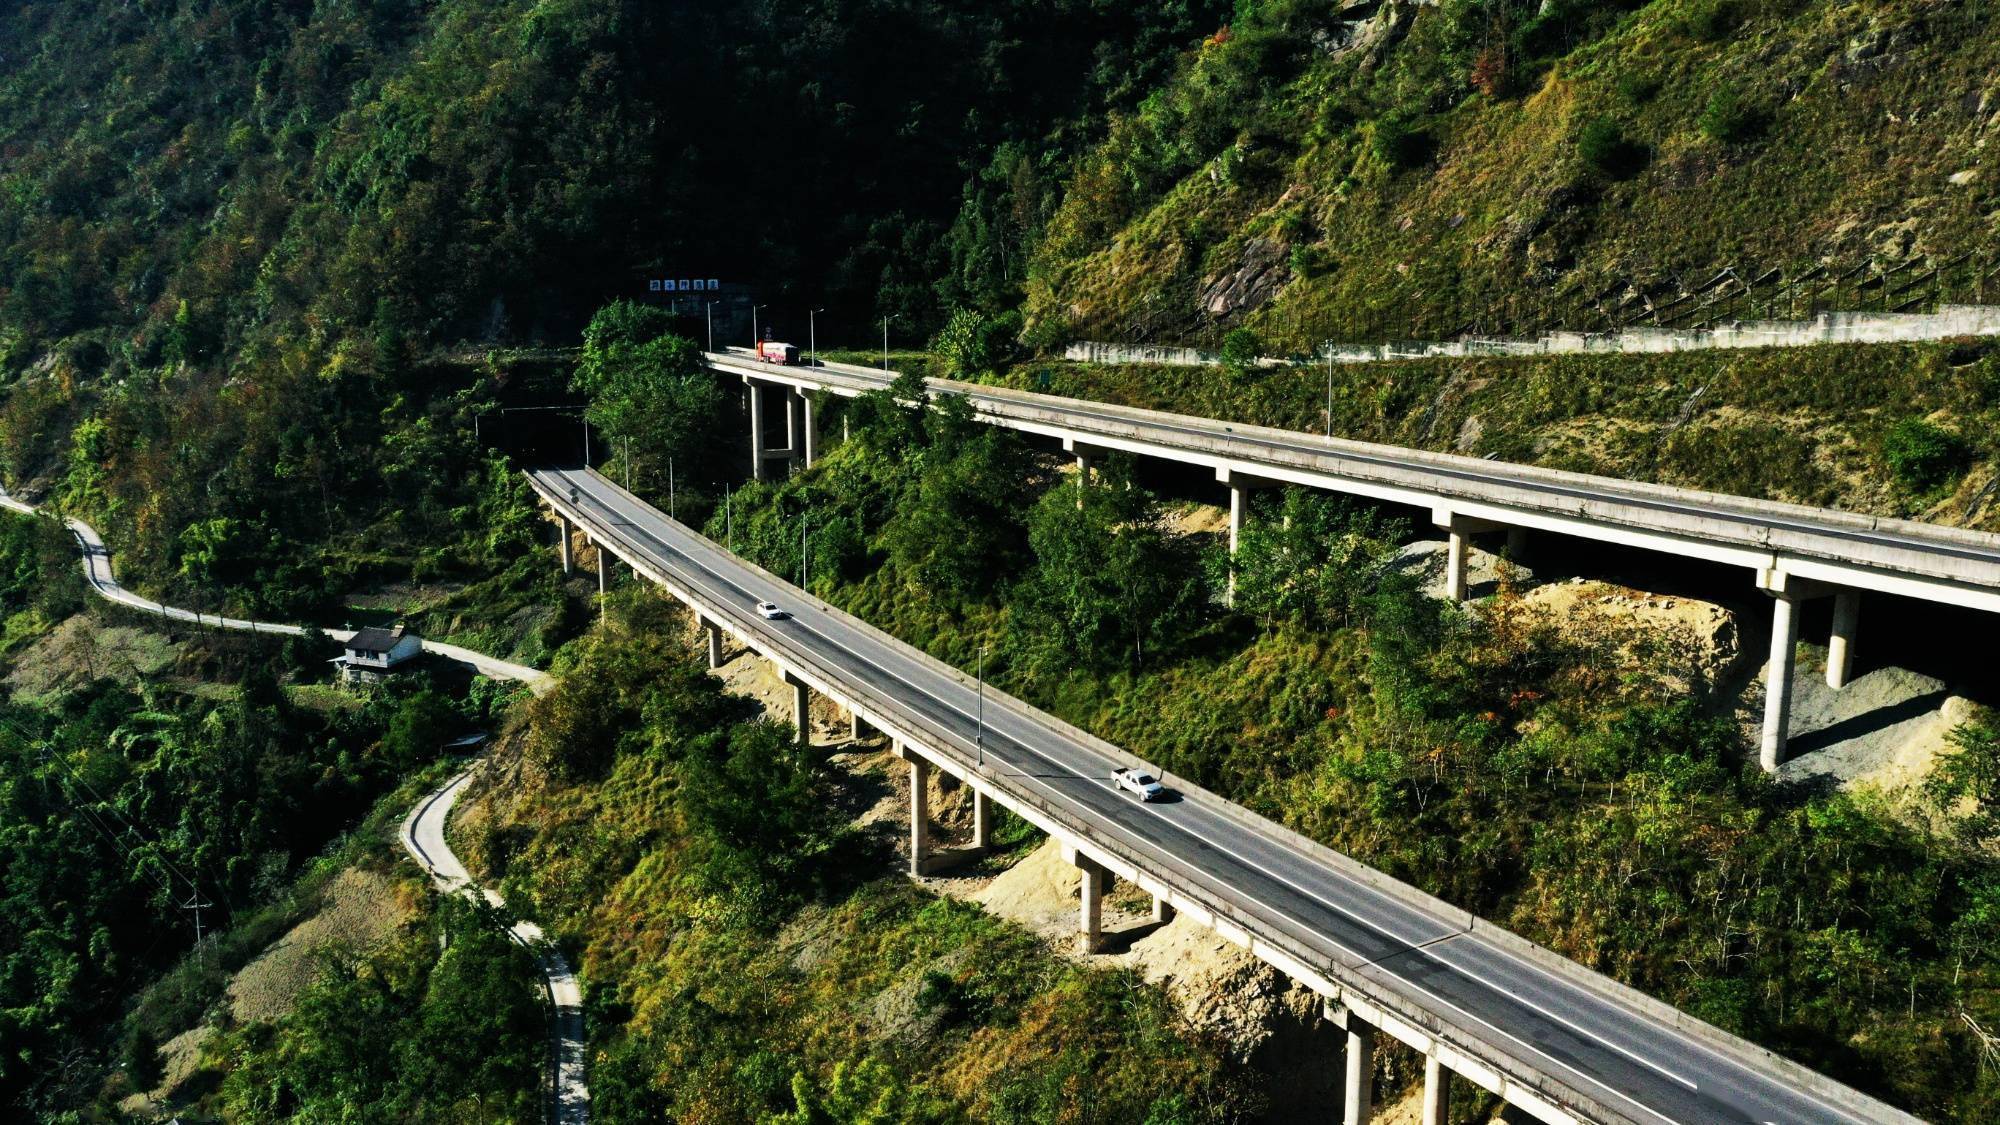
<point>750,956</point>
<point>1361,171</point>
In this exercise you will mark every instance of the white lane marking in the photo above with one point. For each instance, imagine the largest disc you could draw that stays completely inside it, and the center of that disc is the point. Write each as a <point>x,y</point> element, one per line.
<point>1497,989</point>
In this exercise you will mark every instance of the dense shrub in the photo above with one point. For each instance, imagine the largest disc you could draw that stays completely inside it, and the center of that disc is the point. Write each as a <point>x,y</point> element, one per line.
<point>1608,152</point>
<point>1923,456</point>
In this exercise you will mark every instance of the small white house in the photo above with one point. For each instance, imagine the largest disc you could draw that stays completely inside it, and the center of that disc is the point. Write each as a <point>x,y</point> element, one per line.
<point>373,653</point>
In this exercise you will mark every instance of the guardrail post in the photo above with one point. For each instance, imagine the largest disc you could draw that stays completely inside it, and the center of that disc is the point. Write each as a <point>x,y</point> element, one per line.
<point>1840,645</point>
<point>1778,678</point>
<point>1437,1091</point>
<point>920,810</point>
<point>756,429</point>
<point>1360,1063</point>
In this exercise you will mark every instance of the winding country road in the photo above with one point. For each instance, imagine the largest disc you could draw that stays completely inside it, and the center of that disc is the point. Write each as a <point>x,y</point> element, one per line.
<point>97,571</point>
<point>423,838</point>
<point>423,830</point>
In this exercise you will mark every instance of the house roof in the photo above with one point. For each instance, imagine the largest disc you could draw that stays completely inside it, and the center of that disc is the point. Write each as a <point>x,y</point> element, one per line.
<point>374,639</point>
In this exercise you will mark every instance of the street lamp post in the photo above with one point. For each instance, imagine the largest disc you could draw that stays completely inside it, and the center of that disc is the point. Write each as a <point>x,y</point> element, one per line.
<point>728,520</point>
<point>981,737</point>
<point>802,550</point>
<point>812,332</point>
<point>670,488</point>
<point>711,326</point>
<point>753,325</point>
<point>1329,392</point>
<point>885,341</point>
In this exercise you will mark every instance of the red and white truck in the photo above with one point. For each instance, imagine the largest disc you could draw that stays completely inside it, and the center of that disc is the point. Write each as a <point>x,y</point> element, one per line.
<point>770,351</point>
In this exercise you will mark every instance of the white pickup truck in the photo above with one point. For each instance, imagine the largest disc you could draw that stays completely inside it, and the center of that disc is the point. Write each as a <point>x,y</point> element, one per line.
<point>1138,782</point>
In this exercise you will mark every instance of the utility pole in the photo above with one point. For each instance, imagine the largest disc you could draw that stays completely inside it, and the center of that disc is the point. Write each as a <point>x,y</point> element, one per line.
<point>812,331</point>
<point>196,904</point>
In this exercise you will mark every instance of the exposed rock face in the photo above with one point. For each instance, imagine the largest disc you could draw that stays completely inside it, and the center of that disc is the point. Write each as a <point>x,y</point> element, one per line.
<point>1260,273</point>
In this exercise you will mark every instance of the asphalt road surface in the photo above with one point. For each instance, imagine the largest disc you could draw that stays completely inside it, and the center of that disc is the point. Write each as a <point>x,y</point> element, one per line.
<point>1631,1061</point>
<point>1745,520</point>
<point>423,838</point>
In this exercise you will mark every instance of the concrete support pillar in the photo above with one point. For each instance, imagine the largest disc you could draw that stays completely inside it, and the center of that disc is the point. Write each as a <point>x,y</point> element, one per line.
<point>1083,463</point>
<point>1163,911</point>
<point>1437,1092</point>
<point>857,727</point>
<point>801,709</point>
<point>603,570</point>
<point>1778,680</point>
<point>791,420</point>
<point>982,820</point>
<point>1840,646</point>
<point>756,430</point>
<point>568,559</point>
<point>1090,906</point>
<point>1360,1083</point>
<point>713,632</point>
<point>1517,543</point>
<point>920,813</point>
<point>808,429</point>
<point>1455,585</point>
<point>1239,509</point>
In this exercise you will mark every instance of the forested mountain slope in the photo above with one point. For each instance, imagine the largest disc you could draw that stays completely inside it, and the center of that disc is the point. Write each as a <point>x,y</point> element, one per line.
<point>229,231</point>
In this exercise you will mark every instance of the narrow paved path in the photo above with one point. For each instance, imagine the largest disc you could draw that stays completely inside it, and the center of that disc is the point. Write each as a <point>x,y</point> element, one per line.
<point>97,571</point>
<point>423,838</point>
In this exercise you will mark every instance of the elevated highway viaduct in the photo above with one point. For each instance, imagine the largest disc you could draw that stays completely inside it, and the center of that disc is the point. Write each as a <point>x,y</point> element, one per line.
<point>1792,552</point>
<point>1393,964</point>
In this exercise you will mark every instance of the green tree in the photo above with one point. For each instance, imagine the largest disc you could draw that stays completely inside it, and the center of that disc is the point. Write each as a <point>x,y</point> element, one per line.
<point>648,387</point>
<point>1309,558</point>
<point>1110,583</point>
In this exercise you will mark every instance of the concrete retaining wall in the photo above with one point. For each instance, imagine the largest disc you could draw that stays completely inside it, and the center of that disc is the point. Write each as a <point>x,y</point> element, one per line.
<point>1826,328</point>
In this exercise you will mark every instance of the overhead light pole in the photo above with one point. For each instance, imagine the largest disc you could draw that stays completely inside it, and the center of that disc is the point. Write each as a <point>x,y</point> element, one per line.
<point>754,338</point>
<point>885,341</point>
<point>711,326</point>
<point>980,740</point>
<point>812,331</point>
<point>1329,392</point>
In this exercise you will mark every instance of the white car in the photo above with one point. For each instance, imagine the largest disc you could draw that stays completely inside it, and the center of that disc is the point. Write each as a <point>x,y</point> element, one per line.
<point>1138,782</point>
<point>769,611</point>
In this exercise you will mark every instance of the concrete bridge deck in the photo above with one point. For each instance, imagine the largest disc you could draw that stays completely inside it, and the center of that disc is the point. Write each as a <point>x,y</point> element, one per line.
<point>1793,552</point>
<point>1548,1036</point>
